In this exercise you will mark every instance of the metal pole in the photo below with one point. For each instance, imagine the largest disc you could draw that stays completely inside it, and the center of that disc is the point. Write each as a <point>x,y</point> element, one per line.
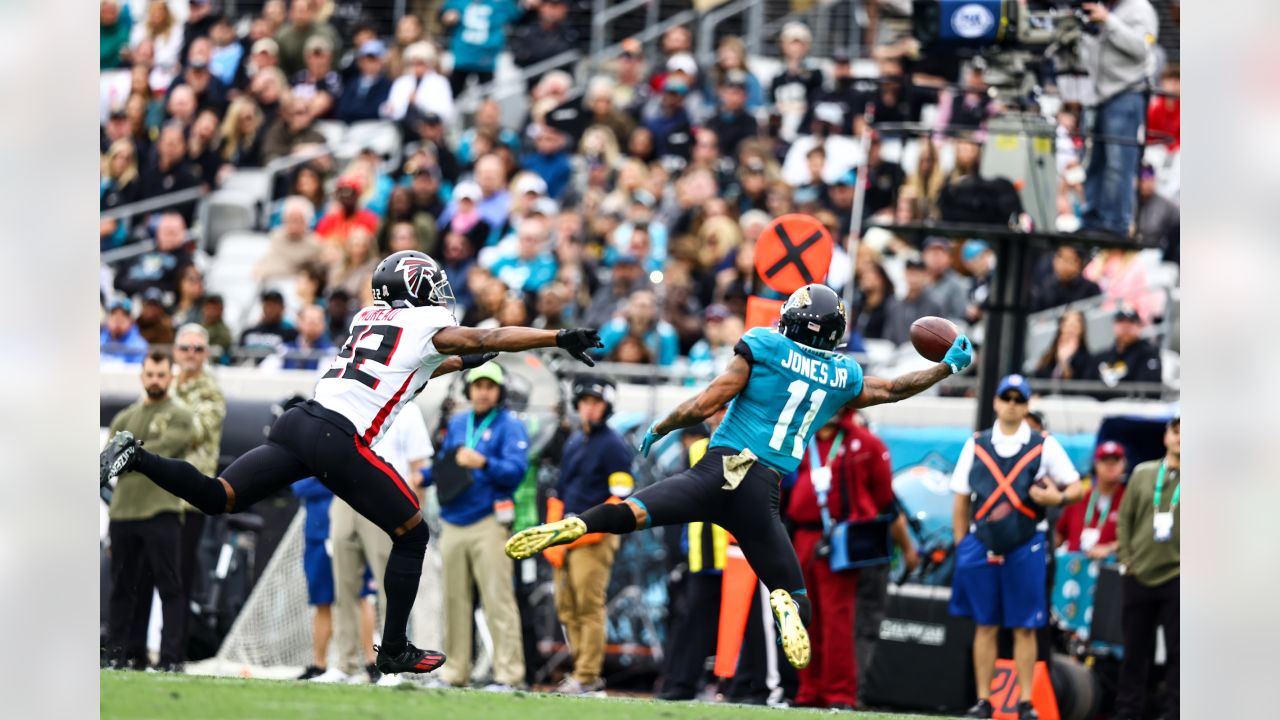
<point>1006,324</point>
<point>859,199</point>
<point>755,26</point>
<point>398,11</point>
<point>598,23</point>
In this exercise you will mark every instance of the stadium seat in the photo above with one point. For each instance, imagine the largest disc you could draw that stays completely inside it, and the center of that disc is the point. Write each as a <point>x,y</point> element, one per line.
<point>228,211</point>
<point>381,135</point>
<point>254,182</point>
<point>231,275</point>
<point>334,132</point>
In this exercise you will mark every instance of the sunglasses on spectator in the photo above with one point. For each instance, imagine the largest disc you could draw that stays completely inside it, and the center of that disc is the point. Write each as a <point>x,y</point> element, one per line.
<point>192,348</point>
<point>1015,398</point>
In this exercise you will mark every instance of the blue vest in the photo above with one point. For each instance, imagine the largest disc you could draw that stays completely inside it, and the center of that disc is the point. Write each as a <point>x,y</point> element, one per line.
<point>1003,525</point>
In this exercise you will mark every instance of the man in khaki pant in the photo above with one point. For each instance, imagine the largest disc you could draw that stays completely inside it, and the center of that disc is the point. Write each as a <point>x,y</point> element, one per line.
<point>359,544</point>
<point>595,468</point>
<point>490,444</point>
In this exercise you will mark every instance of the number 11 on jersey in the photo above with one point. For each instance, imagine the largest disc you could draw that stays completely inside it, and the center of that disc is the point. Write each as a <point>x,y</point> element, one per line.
<point>797,390</point>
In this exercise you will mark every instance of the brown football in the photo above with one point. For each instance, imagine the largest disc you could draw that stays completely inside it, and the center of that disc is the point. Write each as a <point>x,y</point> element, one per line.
<point>932,336</point>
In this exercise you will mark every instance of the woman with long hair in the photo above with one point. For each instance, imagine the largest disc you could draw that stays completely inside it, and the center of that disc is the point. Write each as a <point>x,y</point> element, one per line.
<point>731,54</point>
<point>165,34</point>
<point>877,294</point>
<point>928,179</point>
<point>1067,357</point>
<point>188,307</point>
<point>118,185</point>
<point>241,134</point>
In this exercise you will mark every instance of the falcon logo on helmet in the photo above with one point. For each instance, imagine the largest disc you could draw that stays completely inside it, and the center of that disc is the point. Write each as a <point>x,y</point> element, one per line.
<point>411,279</point>
<point>414,269</point>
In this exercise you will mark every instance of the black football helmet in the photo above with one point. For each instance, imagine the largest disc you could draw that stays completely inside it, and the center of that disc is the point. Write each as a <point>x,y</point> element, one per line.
<point>595,386</point>
<point>814,316</point>
<point>411,279</point>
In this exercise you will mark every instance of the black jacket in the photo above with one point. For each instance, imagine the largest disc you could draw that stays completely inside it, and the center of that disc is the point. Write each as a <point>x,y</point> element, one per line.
<point>533,43</point>
<point>1053,293</point>
<point>731,129</point>
<point>1140,362</point>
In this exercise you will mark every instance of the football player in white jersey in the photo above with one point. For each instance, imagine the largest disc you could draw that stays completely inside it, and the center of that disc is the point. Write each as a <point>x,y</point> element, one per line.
<point>408,336</point>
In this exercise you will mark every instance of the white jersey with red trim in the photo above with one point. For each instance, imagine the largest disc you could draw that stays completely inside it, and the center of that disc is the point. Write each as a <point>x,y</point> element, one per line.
<point>387,360</point>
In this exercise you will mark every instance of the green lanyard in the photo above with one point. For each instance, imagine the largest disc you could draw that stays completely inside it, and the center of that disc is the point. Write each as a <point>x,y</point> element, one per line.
<point>474,433</point>
<point>1160,488</point>
<point>831,454</point>
<point>1088,512</point>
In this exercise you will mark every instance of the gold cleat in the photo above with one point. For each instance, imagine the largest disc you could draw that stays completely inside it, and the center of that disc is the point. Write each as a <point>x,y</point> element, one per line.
<point>795,639</point>
<point>534,540</point>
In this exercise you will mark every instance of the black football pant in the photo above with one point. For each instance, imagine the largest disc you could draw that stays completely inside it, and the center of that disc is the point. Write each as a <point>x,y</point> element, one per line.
<point>311,440</point>
<point>694,633</point>
<point>749,512</point>
<point>192,528</point>
<point>142,549</point>
<point>1143,609</point>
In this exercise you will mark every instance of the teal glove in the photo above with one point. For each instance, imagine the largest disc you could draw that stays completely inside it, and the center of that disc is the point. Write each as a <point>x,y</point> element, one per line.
<point>650,438</point>
<point>959,355</point>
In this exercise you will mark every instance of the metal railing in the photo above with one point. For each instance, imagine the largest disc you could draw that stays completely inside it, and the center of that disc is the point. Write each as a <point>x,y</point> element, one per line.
<point>471,98</point>
<point>160,202</point>
<point>602,14</point>
<point>646,37</point>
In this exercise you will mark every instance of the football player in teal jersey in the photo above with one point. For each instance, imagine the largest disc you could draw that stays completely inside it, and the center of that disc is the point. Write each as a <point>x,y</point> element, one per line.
<point>780,387</point>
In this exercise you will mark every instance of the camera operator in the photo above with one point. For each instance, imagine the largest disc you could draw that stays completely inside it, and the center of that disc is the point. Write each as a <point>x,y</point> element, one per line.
<point>1119,57</point>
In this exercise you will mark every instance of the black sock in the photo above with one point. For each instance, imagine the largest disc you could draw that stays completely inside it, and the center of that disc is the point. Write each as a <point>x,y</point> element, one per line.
<point>182,479</point>
<point>404,571</point>
<point>615,518</point>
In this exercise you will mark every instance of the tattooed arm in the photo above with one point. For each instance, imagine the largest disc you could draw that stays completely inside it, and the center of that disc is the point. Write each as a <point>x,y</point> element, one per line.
<point>876,391</point>
<point>706,403</point>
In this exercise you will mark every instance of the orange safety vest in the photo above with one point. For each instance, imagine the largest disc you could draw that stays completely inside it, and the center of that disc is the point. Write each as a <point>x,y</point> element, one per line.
<point>555,511</point>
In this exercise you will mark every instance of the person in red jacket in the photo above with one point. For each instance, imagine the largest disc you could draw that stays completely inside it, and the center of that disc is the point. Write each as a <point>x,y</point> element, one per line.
<point>861,487</point>
<point>1164,114</point>
<point>1089,526</point>
<point>346,212</point>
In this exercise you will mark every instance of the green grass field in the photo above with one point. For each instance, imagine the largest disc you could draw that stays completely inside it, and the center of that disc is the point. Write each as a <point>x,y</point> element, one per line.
<point>146,696</point>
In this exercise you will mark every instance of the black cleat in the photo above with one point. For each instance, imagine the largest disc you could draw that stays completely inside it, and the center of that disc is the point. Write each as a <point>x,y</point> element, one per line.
<point>1027,711</point>
<point>118,457</point>
<point>408,660</point>
<point>982,710</point>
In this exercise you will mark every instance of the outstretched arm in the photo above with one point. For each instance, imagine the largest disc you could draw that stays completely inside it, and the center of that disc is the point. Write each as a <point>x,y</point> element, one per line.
<point>464,341</point>
<point>705,404</point>
<point>876,391</point>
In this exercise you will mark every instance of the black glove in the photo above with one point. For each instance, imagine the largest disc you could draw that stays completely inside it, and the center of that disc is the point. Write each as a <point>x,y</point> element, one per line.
<point>475,361</point>
<point>577,341</point>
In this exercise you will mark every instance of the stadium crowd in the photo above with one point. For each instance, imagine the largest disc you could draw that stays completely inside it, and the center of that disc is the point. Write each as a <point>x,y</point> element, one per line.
<point>657,175</point>
<point>631,202</point>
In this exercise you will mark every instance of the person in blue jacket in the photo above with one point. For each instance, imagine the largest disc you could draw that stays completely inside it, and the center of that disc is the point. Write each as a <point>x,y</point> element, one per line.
<point>363,98</point>
<point>317,566</point>
<point>595,467</point>
<point>119,338</point>
<point>490,442</point>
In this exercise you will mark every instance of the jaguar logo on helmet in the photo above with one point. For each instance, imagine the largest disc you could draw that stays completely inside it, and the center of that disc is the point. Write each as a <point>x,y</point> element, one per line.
<point>799,298</point>
<point>415,271</point>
